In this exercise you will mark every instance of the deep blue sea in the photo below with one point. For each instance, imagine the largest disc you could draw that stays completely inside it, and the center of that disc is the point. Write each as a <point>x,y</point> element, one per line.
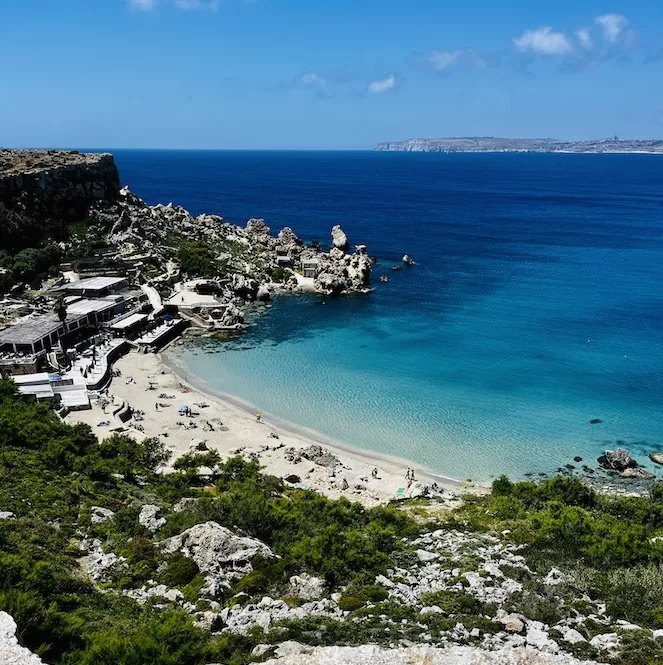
<point>535,306</point>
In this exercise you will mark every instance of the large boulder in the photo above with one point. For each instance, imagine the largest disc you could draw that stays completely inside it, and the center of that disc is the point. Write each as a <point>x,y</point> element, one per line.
<point>11,653</point>
<point>617,460</point>
<point>339,239</point>
<point>657,458</point>
<point>244,287</point>
<point>287,243</point>
<point>306,586</point>
<point>220,554</point>
<point>258,230</point>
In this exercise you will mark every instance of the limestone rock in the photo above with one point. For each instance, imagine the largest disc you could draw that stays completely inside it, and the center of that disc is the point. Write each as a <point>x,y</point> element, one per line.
<point>339,239</point>
<point>148,518</point>
<point>514,623</point>
<point>306,586</point>
<point>259,230</point>
<point>244,287</point>
<point>290,653</point>
<point>318,455</point>
<point>97,563</point>
<point>263,292</point>
<point>185,504</point>
<point>636,473</point>
<point>287,243</point>
<point>11,653</point>
<point>219,553</point>
<point>99,515</point>
<point>6,515</point>
<point>657,458</point>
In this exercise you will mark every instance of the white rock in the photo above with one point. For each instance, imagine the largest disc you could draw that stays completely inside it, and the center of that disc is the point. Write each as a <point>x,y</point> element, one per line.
<point>555,577</point>
<point>625,625</point>
<point>219,553</point>
<point>431,609</point>
<point>99,515</point>
<point>297,654</point>
<point>10,651</point>
<point>537,636</point>
<point>339,239</point>
<point>306,586</point>
<point>148,518</point>
<point>572,636</point>
<point>605,642</point>
<point>424,555</point>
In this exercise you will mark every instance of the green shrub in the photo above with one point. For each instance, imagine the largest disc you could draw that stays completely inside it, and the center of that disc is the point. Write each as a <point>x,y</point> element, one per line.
<point>350,603</point>
<point>179,571</point>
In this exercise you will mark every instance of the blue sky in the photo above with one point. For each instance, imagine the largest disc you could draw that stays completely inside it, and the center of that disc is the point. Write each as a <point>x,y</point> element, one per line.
<point>325,74</point>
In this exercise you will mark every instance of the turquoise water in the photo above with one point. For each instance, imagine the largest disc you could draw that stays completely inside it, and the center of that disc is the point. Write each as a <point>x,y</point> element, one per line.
<point>535,307</point>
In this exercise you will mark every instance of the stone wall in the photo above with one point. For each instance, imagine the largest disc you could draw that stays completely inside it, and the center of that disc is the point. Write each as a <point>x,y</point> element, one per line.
<point>56,184</point>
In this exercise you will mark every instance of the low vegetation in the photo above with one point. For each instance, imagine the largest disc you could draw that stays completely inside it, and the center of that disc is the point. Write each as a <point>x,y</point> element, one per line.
<point>606,548</point>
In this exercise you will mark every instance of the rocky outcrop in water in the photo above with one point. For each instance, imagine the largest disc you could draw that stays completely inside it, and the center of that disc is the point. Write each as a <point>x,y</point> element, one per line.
<point>339,272</point>
<point>339,239</point>
<point>620,460</point>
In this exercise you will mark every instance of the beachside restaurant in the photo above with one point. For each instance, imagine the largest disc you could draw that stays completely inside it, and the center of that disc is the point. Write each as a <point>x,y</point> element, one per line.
<point>32,335</point>
<point>93,287</point>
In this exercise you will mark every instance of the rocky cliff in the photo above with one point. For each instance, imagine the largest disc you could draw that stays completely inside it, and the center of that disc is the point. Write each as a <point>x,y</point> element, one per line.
<point>496,144</point>
<point>56,184</point>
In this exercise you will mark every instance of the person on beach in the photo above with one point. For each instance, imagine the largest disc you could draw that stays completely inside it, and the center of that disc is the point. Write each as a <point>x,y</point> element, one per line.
<point>374,473</point>
<point>407,474</point>
<point>258,417</point>
<point>156,406</point>
<point>411,474</point>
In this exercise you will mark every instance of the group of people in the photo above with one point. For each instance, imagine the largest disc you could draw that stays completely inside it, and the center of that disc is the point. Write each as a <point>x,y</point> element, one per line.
<point>409,474</point>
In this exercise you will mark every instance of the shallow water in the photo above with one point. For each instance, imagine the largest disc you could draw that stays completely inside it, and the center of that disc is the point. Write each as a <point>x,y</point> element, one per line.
<point>535,305</point>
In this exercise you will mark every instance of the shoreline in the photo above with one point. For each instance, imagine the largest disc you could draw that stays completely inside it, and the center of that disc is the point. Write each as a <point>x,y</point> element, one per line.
<point>156,389</point>
<point>305,433</point>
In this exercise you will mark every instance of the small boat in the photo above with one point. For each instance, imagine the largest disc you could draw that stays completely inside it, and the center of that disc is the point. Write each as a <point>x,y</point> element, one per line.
<point>395,267</point>
<point>384,278</point>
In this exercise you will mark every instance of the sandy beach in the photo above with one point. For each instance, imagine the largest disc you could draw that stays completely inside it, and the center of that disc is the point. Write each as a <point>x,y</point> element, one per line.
<point>150,385</point>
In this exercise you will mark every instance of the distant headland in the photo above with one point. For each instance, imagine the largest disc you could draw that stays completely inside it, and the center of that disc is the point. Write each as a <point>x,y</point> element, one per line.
<point>493,144</point>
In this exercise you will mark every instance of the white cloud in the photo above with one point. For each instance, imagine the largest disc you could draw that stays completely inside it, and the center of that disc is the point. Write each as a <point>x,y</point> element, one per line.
<point>197,5</point>
<point>544,41</point>
<point>142,5</point>
<point>613,25</point>
<point>313,79</point>
<point>441,61</point>
<point>584,38</point>
<point>382,85</point>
